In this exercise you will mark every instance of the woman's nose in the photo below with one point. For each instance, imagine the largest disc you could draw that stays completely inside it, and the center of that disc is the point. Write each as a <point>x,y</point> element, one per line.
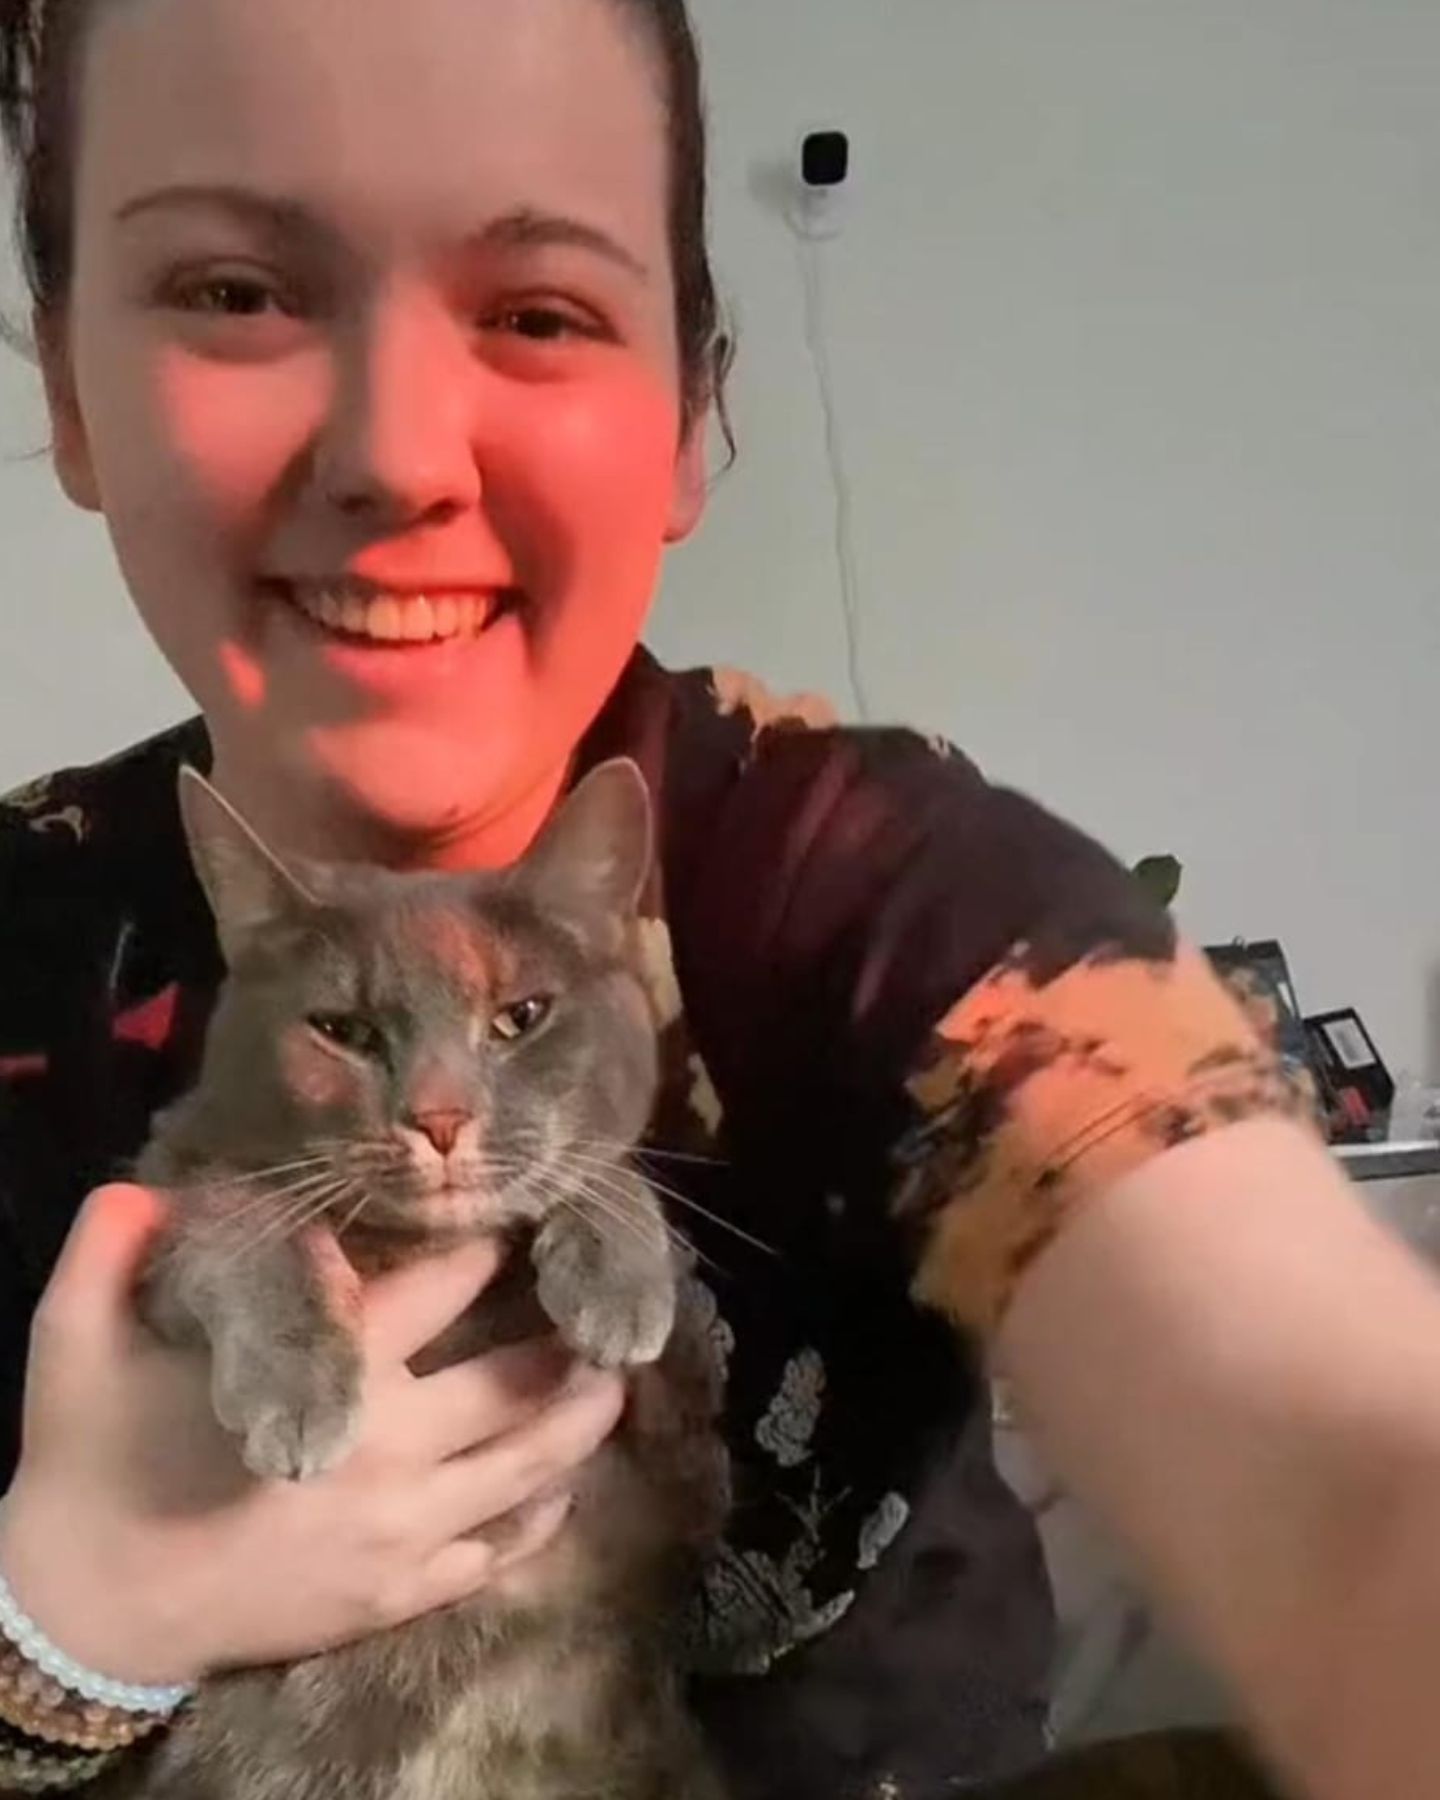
<point>398,444</point>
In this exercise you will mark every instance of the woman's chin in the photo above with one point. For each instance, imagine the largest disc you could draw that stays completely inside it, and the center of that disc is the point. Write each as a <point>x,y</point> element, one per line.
<point>408,784</point>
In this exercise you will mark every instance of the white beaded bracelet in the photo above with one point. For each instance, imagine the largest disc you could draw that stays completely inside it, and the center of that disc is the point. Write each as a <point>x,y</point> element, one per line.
<point>36,1648</point>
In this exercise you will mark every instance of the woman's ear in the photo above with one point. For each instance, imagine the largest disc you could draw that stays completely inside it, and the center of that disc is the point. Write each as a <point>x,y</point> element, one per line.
<point>692,481</point>
<point>69,441</point>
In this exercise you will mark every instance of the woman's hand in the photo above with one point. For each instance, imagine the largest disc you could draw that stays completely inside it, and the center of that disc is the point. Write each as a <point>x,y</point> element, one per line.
<point>137,1542</point>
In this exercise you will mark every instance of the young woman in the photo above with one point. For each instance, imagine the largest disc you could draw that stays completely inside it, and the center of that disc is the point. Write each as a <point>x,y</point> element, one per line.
<point>384,339</point>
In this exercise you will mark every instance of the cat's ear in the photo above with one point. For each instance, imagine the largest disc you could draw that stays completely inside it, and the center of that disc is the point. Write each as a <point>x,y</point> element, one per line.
<point>595,853</point>
<point>247,885</point>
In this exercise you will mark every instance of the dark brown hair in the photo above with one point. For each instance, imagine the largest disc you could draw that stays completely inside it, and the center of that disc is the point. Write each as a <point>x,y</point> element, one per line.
<point>39,48</point>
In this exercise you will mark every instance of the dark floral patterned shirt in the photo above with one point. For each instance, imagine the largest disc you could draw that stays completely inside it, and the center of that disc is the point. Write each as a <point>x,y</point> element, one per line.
<point>910,1021</point>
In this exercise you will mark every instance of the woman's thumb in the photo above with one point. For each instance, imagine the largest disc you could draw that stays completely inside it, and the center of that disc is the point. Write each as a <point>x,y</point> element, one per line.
<point>92,1289</point>
<point>407,1309</point>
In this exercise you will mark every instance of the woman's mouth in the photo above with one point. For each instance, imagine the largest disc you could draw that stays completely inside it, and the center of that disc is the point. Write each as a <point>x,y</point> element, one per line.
<point>392,618</point>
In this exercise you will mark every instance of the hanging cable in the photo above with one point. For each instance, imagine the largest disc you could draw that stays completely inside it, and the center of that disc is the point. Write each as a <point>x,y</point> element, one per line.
<point>815,340</point>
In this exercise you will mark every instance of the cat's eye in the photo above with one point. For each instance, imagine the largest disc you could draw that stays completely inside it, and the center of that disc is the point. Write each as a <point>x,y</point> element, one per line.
<point>350,1031</point>
<point>512,1023</point>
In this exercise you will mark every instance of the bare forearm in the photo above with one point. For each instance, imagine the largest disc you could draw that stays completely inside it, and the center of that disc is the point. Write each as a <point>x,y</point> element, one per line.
<point>1369,1727</point>
<point>1243,1374</point>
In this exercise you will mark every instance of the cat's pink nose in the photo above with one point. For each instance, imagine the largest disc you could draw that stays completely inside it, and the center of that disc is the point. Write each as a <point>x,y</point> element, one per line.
<point>442,1128</point>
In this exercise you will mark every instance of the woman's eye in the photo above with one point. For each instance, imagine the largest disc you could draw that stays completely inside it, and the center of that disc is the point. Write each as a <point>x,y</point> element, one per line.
<point>512,1023</point>
<point>228,296</point>
<point>543,323</point>
<point>351,1031</point>
<point>236,298</point>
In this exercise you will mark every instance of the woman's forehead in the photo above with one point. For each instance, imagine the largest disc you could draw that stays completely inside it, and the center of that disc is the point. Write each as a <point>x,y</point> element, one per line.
<point>428,117</point>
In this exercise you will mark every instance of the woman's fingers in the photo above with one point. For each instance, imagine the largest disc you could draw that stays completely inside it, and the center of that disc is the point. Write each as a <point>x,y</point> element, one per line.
<point>531,1529</point>
<point>409,1308</point>
<point>470,1491</point>
<point>466,1565</point>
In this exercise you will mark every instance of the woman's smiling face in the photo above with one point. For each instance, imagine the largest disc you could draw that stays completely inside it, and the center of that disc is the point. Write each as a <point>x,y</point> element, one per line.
<point>370,361</point>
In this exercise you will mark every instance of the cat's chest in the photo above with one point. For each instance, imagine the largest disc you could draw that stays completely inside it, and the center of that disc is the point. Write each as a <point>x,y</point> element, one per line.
<point>475,1754</point>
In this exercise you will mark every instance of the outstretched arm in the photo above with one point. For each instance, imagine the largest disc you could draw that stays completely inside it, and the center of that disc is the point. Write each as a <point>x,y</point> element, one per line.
<point>1241,1371</point>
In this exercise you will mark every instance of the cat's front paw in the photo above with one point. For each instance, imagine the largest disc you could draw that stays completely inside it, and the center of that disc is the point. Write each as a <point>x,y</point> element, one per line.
<point>612,1312</point>
<point>295,1410</point>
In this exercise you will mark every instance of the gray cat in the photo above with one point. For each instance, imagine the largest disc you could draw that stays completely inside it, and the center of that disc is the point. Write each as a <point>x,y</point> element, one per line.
<point>398,1062</point>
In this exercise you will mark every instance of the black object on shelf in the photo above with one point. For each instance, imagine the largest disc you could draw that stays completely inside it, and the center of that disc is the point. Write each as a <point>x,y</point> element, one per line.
<point>1357,1086</point>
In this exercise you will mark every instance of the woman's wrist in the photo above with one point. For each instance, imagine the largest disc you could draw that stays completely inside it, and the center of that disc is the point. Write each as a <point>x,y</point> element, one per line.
<point>76,1619</point>
<point>32,1645</point>
<point>30,1765</point>
<point>61,1724</point>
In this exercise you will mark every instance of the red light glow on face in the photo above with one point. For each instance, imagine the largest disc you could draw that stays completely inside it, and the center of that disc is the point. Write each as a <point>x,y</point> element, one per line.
<point>423,346</point>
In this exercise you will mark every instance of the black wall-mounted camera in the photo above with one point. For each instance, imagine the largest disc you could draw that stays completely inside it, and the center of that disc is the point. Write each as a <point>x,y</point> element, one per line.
<point>825,159</point>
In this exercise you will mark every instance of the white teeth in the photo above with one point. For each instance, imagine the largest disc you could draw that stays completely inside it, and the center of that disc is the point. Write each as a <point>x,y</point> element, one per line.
<point>382,620</point>
<point>394,618</point>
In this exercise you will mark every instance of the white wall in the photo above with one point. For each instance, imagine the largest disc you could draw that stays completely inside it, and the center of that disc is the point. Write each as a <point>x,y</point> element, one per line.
<point>78,678</point>
<point>1136,338</point>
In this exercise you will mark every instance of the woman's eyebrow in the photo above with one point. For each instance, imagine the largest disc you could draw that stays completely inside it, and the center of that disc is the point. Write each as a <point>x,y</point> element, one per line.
<point>524,227</point>
<point>271,213</point>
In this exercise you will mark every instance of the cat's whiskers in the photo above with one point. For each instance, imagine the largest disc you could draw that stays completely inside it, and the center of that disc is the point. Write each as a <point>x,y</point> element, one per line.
<point>276,1219</point>
<point>291,1184</point>
<point>127,1170</point>
<point>619,1181</point>
<point>561,1184</point>
<point>597,1213</point>
<point>359,1150</point>
<point>392,1182</point>
<point>292,1218</point>
<point>236,1217</point>
<point>651,1152</point>
<point>523,1169</point>
<point>502,1184</point>
<point>390,1165</point>
<point>617,1203</point>
<point>528,1178</point>
<point>681,1199</point>
<point>688,1251</point>
<point>353,1214</point>
<point>227,1227</point>
<point>246,1177</point>
<point>280,1231</point>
